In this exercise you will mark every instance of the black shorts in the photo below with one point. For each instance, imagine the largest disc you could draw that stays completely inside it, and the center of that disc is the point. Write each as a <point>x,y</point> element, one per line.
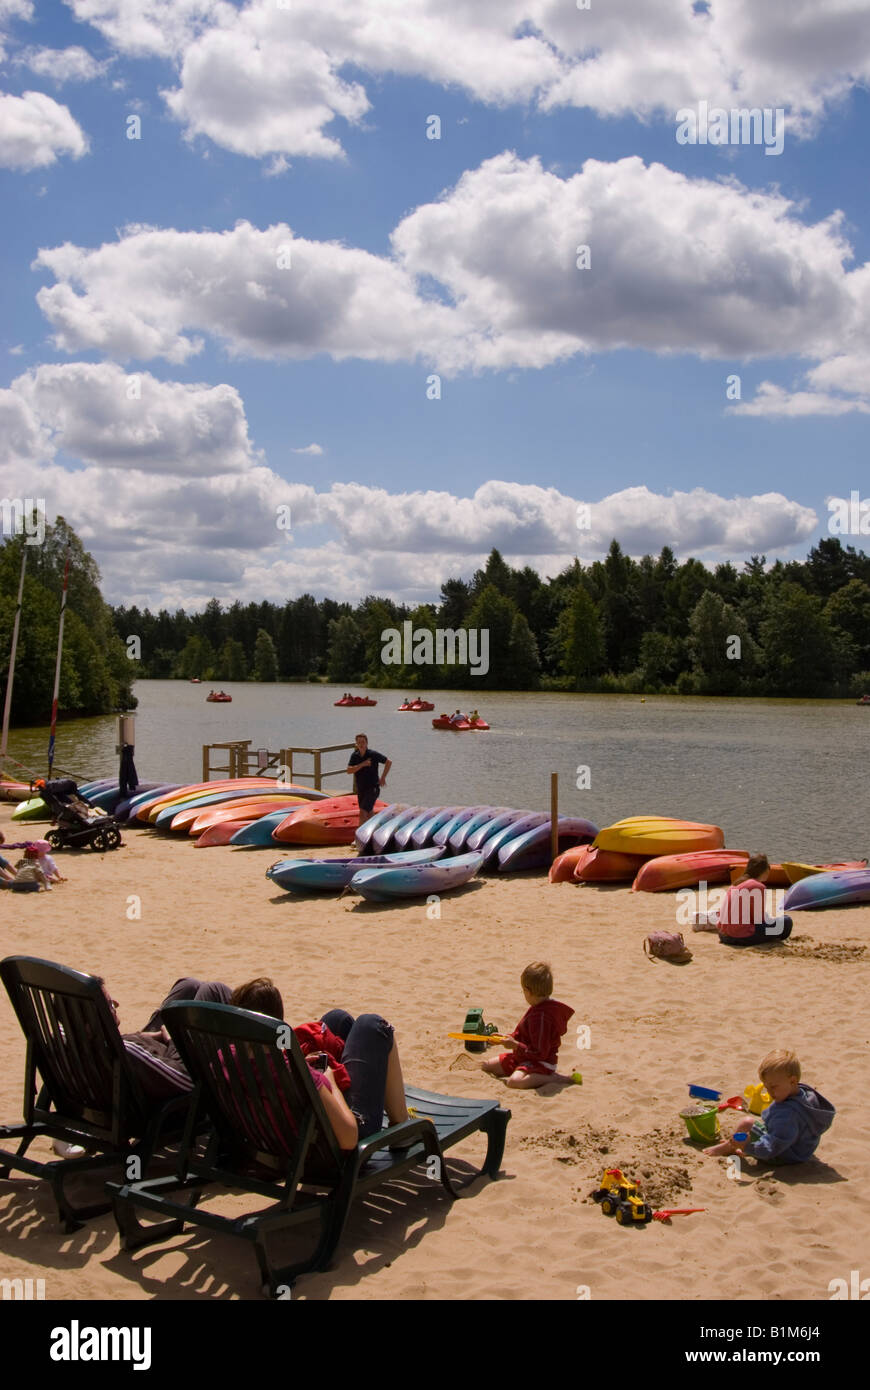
<point>367,799</point>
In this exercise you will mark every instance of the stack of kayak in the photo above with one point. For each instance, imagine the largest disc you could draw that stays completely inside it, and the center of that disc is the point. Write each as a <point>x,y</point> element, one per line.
<point>105,795</point>
<point>213,812</point>
<point>508,840</point>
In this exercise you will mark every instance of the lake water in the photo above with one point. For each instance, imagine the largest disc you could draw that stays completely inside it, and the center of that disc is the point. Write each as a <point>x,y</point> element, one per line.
<point>788,777</point>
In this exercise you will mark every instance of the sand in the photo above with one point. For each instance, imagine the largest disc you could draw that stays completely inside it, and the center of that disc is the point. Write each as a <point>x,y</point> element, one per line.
<point>534,1233</point>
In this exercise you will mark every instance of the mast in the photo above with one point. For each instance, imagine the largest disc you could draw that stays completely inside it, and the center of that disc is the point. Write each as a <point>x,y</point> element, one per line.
<point>57,666</point>
<point>7,708</point>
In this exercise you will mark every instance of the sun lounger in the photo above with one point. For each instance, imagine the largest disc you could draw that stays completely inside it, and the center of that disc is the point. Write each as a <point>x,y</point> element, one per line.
<point>272,1138</point>
<point>91,1094</point>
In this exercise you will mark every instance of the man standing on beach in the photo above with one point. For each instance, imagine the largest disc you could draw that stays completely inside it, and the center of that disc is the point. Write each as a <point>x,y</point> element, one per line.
<point>363,766</point>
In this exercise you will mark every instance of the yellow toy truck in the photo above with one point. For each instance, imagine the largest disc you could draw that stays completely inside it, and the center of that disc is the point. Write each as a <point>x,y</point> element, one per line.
<point>618,1194</point>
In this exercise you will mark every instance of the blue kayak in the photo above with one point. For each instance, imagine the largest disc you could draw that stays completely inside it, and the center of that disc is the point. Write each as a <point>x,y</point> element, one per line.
<point>363,836</point>
<point>498,822</point>
<point>834,889</point>
<point>461,834</point>
<point>325,874</point>
<point>420,831</point>
<point>530,820</point>
<point>415,880</point>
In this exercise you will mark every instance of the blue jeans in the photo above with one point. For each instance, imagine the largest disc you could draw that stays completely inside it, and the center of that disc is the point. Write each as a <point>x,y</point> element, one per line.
<point>761,936</point>
<point>368,1042</point>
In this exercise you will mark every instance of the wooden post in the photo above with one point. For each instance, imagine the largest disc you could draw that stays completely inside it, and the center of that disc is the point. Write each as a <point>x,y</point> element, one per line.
<point>206,774</point>
<point>317,777</point>
<point>554,815</point>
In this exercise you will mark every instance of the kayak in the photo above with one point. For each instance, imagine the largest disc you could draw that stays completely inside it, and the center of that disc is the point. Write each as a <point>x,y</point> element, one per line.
<point>529,820</point>
<point>326,874</point>
<point>426,834</point>
<point>367,829</point>
<point>236,786</point>
<point>221,833</point>
<point>14,791</point>
<point>383,836</point>
<point>489,827</point>
<point>417,833</point>
<point>531,850</point>
<point>463,816</point>
<point>354,702</point>
<point>671,871</point>
<point>127,809</point>
<point>461,833</point>
<point>257,834</point>
<point>658,835</point>
<point>829,890</point>
<point>416,880</point>
<point>32,809</point>
<point>402,837</point>
<point>795,872</point>
<point>415,707</point>
<point>330,822</point>
<point>462,726</point>
<point>583,864</point>
<point>777,878</point>
<point>199,819</point>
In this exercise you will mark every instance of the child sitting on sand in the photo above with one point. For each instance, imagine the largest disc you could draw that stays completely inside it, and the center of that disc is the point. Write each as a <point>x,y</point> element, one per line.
<point>790,1128</point>
<point>534,1043</point>
<point>45,861</point>
<point>27,870</point>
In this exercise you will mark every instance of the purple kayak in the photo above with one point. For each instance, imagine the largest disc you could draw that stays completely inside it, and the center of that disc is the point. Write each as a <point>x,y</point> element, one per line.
<point>499,822</point>
<point>528,820</point>
<point>834,889</point>
<point>531,850</point>
<point>415,880</point>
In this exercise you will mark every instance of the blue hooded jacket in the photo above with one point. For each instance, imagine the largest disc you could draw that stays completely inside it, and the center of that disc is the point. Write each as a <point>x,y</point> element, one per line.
<point>794,1127</point>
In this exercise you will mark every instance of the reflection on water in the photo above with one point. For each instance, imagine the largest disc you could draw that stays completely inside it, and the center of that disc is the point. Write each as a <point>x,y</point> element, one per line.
<point>788,777</point>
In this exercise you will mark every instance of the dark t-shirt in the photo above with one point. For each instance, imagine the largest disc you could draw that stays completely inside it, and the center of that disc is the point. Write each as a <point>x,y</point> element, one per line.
<point>369,778</point>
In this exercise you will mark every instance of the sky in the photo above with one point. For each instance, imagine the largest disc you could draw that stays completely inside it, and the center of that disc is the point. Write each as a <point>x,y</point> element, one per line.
<point>334,296</point>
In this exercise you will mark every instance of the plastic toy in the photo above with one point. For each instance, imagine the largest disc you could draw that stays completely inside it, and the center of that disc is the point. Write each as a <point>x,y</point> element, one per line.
<point>667,1212</point>
<point>618,1194</point>
<point>703,1093</point>
<point>473,1037</point>
<point>475,1025</point>
<point>739,1135</point>
<point>732,1103</point>
<point>756,1098</point>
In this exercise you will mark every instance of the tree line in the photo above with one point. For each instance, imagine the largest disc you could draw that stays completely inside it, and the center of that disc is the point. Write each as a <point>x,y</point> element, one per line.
<point>636,626</point>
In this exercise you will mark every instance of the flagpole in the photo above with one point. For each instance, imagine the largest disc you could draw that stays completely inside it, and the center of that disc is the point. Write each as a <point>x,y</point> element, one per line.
<point>57,666</point>
<point>7,708</point>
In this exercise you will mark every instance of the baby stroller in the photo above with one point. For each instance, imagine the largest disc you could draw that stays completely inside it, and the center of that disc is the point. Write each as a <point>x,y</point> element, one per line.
<point>74,829</point>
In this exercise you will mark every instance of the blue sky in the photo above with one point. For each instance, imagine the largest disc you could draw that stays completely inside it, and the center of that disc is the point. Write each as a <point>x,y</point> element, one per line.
<point>414,256</point>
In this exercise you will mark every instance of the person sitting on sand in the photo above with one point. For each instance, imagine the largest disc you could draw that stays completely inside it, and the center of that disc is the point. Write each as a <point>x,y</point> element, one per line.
<point>742,919</point>
<point>7,872</point>
<point>363,1075</point>
<point>27,870</point>
<point>46,863</point>
<point>534,1043</point>
<point>790,1128</point>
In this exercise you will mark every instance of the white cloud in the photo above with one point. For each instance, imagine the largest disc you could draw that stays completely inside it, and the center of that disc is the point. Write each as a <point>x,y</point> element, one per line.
<point>309,449</point>
<point>62,64</point>
<point>34,130</point>
<point>771,400</point>
<point>677,265</point>
<point>279,65</point>
<point>176,504</point>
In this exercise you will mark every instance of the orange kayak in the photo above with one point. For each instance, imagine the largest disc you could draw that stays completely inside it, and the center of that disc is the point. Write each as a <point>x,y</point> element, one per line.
<point>219,834</point>
<point>330,822</point>
<point>669,871</point>
<point>606,866</point>
<point>160,802</point>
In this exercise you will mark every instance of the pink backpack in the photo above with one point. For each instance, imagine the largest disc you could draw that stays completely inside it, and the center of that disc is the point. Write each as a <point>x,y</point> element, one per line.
<point>667,945</point>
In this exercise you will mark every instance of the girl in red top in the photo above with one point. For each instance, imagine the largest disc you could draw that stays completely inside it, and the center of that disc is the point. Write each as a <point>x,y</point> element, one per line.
<point>534,1043</point>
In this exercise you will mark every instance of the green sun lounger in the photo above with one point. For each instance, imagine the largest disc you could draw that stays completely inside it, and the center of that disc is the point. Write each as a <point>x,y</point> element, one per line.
<point>272,1138</point>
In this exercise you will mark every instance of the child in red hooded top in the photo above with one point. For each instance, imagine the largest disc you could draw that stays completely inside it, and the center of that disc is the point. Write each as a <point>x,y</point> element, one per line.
<point>535,1041</point>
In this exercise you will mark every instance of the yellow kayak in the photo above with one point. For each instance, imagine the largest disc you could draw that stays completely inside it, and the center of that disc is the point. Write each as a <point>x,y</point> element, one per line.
<point>655,835</point>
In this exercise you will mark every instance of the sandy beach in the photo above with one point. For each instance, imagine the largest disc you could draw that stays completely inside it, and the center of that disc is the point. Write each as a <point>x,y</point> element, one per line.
<point>534,1233</point>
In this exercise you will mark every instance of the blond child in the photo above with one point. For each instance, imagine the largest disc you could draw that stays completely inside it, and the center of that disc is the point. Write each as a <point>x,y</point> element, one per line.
<point>534,1043</point>
<point>792,1125</point>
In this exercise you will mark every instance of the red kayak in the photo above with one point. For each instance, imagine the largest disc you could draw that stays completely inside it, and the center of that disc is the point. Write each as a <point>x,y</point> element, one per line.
<point>461,727</point>
<point>330,822</point>
<point>590,865</point>
<point>415,706</point>
<point>669,871</point>
<point>355,701</point>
